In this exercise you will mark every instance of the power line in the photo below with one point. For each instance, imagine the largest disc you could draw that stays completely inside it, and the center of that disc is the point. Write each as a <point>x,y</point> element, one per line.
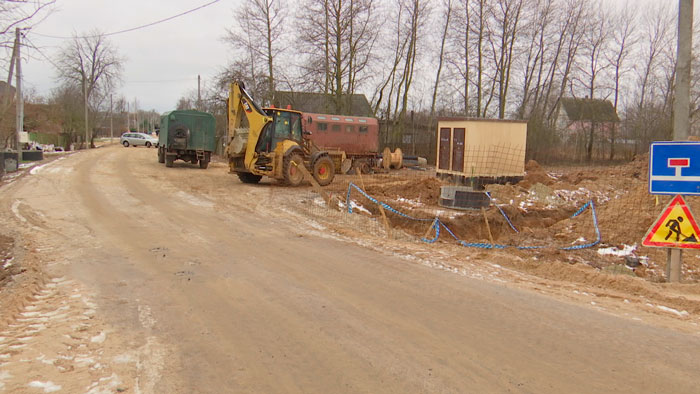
<point>160,81</point>
<point>132,28</point>
<point>33,46</point>
<point>41,52</point>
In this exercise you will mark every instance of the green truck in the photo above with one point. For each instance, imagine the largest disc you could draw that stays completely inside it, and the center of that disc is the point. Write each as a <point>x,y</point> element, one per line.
<point>186,135</point>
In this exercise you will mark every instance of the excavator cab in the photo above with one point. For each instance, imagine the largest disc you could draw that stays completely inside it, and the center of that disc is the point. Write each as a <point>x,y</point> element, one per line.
<point>285,125</point>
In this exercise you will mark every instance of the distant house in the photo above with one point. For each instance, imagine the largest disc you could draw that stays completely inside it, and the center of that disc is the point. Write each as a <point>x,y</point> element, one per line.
<point>320,103</point>
<point>580,115</point>
<point>3,90</point>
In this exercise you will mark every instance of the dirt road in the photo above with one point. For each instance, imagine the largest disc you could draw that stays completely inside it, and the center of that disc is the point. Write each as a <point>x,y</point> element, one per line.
<point>183,280</point>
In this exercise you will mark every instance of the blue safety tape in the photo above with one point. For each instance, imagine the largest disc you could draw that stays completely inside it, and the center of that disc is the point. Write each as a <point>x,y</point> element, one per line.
<point>595,226</point>
<point>374,200</point>
<point>502,213</point>
<point>436,224</point>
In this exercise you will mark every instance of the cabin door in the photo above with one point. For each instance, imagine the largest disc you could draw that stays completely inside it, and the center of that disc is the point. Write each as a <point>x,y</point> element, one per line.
<point>458,150</point>
<point>444,149</point>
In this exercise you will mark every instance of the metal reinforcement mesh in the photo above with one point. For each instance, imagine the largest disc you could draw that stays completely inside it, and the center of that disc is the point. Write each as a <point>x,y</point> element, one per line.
<point>502,160</point>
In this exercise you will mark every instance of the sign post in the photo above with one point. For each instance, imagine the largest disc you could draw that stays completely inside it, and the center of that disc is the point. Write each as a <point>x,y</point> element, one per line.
<point>675,229</point>
<point>674,168</point>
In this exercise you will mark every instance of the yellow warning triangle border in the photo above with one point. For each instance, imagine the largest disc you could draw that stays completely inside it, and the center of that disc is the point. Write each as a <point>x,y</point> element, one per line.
<point>676,201</point>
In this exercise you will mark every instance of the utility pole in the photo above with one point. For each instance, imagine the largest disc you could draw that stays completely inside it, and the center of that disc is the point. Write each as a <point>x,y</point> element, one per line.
<point>87,137</point>
<point>20,99</point>
<point>136,116</point>
<point>111,123</point>
<point>128,118</point>
<point>199,93</point>
<point>681,107</point>
<point>11,71</point>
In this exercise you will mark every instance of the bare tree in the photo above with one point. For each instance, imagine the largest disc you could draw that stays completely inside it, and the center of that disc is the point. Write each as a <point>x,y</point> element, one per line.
<point>258,37</point>
<point>23,14</point>
<point>338,45</point>
<point>448,8</point>
<point>571,33</point>
<point>93,64</point>
<point>416,16</point>
<point>624,40</point>
<point>657,31</point>
<point>506,27</point>
<point>596,39</point>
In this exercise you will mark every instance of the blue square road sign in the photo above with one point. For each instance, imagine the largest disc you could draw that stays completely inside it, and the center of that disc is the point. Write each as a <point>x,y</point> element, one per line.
<point>674,168</point>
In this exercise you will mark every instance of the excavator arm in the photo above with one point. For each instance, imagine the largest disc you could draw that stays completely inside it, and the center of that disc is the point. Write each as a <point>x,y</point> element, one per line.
<point>240,104</point>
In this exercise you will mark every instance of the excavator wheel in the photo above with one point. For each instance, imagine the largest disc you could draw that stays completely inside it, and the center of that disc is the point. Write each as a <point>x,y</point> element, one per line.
<point>292,175</point>
<point>324,170</point>
<point>247,177</point>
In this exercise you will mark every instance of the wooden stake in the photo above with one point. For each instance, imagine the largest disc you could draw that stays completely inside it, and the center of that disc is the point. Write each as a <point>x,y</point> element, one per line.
<point>427,233</point>
<point>314,184</point>
<point>387,227</point>
<point>362,181</point>
<point>488,228</point>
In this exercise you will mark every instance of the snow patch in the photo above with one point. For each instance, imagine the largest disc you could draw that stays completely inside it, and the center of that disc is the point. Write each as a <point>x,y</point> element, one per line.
<point>107,384</point>
<point>123,358</point>
<point>146,317</point>
<point>99,338</point>
<point>626,250</point>
<point>24,166</point>
<point>355,206</point>
<point>4,375</point>
<point>49,386</point>
<point>674,311</point>
<point>36,169</point>
<point>193,200</point>
<point>15,210</point>
<point>84,361</point>
<point>415,203</point>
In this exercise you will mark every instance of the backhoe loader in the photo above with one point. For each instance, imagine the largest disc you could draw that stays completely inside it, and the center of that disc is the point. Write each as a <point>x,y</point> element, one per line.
<point>271,142</point>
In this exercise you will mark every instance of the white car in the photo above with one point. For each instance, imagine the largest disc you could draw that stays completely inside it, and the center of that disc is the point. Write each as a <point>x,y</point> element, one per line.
<point>136,139</point>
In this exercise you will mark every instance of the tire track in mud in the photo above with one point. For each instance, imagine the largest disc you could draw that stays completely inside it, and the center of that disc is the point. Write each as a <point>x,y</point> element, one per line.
<point>52,335</point>
<point>56,343</point>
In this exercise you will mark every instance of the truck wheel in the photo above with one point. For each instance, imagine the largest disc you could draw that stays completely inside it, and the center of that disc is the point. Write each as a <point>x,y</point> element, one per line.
<point>126,144</point>
<point>247,177</point>
<point>203,164</point>
<point>193,160</point>
<point>292,174</point>
<point>161,155</point>
<point>324,170</point>
<point>169,159</point>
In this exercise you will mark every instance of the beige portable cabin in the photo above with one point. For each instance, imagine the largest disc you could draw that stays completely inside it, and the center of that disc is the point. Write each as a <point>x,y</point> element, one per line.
<point>468,148</point>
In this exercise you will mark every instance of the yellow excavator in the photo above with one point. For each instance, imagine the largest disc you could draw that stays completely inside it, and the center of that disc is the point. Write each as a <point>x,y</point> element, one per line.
<point>271,142</point>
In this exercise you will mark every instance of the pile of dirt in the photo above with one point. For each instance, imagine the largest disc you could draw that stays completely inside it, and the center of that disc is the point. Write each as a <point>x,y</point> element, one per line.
<point>424,189</point>
<point>535,173</point>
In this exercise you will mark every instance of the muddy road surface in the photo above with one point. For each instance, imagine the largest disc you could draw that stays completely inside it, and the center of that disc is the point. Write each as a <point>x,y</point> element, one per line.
<point>181,280</point>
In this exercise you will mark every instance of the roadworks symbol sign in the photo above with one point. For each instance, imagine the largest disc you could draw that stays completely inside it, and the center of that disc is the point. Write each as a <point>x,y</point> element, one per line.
<point>675,228</point>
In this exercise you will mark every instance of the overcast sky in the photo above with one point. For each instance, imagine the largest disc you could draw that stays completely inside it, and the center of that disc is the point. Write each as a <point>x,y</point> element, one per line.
<point>162,61</point>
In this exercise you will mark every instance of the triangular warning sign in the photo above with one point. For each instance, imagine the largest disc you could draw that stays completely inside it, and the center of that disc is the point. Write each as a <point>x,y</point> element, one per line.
<point>675,228</point>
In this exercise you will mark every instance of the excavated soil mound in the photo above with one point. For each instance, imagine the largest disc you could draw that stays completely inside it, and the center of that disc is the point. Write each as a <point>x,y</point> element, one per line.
<point>534,173</point>
<point>426,190</point>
